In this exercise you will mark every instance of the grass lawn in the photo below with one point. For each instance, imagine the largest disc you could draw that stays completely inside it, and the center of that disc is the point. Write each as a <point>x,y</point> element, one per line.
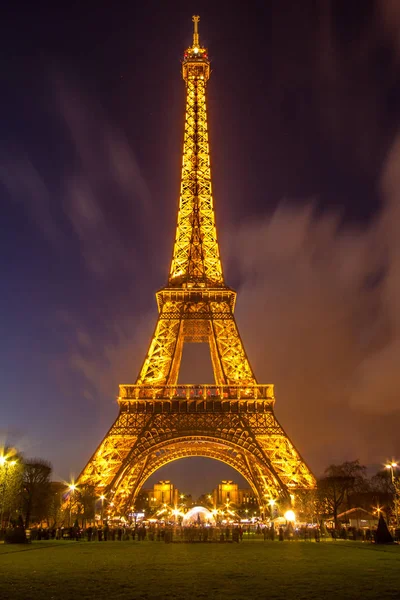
<point>124,570</point>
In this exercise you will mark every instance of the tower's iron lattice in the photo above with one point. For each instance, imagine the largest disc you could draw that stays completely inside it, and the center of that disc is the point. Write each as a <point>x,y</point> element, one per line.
<point>231,420</point>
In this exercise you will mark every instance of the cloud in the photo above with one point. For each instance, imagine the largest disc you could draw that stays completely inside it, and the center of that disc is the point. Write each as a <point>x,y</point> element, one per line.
<point>107,190</point>
<point>318,312</point>
<point>354,74</point>
<point>103,199</point>
<point>378,377</point>
<point>25,184</point>
<point>104,360</point>
<point>388,12</point>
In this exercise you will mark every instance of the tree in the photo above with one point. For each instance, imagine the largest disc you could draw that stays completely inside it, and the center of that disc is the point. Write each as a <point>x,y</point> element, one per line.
<point>11,469</point>
<point>383,536</point>
<point>55,511</point>
<point>382,483</point>
<point>335,488</point>
<point>205,500</point>
<point>36,489</point>
<point>86,499</point>
<point>306,505</point>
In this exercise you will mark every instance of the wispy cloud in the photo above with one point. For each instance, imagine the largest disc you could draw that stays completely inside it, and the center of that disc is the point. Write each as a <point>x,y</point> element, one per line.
<point>107,190</point>
<point>103,197</point>
<point>318,309</point>
<point>103,360</point>
<point>27,186</point>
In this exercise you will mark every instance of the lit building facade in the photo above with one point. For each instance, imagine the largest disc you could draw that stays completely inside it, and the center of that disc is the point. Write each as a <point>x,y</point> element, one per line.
<point>162,492</point>
<point>228,492</point>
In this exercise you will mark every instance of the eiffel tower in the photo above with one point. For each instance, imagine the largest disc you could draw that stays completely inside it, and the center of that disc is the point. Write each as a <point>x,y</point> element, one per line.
<point>231,420</point>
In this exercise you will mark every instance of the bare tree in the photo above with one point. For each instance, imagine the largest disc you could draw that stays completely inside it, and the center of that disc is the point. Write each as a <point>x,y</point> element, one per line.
<point>85,497</point>
<point>36,489</point>
<point>337,485</point>
<point>55,513</point>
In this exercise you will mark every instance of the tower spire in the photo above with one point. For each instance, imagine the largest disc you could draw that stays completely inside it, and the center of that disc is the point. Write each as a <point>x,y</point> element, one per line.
<point>196,20</point>
<point>196,259</point>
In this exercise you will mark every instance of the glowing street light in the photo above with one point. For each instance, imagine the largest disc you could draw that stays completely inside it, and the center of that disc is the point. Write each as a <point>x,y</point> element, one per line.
<point>271,504</point>
<point>290,516</point>
<point>393,466</point>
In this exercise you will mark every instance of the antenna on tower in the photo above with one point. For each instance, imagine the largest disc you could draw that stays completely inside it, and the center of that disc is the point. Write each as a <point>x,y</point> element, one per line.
<point>196,20</point>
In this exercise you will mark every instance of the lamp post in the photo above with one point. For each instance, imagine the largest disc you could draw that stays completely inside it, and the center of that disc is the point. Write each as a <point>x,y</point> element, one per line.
<point>271,504</point>
<point>72,489</point>
<point>102,498</point>
<point>393,466</point>
<point>5,463</point>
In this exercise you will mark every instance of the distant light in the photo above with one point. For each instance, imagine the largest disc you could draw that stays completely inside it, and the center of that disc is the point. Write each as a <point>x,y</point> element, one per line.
<point>289,515</point>
<point>195,50</point>
<point>3,460</point>
<point>271,502</point>
<point>72,487</point>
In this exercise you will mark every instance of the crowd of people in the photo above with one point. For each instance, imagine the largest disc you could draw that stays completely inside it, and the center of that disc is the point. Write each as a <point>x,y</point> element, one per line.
<point>160,531</point>
<point>197,533</point>
<point>141,532</point>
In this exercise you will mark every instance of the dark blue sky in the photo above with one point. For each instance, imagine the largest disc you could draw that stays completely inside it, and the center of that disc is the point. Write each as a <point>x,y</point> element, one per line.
<point>303,108</point>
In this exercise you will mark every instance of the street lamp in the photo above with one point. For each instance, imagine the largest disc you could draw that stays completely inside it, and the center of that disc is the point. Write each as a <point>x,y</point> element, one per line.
<point>393,466</point>
<point>102,498</point>
<point>72,488</point>
<point>271,504</point>
<point>5,463</point>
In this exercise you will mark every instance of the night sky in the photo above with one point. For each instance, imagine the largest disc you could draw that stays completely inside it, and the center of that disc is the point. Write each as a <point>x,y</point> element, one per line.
<point>304,107</point>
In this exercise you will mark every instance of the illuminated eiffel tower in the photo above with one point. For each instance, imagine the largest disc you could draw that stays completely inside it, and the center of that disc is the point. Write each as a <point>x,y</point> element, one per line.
<point>232,419</point>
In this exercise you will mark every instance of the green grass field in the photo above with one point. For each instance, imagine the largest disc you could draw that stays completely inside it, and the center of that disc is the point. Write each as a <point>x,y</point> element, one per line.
<point>253,570</point>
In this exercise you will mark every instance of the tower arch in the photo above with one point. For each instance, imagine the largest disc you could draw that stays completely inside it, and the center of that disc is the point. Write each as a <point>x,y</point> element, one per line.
<point>141,465</point>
